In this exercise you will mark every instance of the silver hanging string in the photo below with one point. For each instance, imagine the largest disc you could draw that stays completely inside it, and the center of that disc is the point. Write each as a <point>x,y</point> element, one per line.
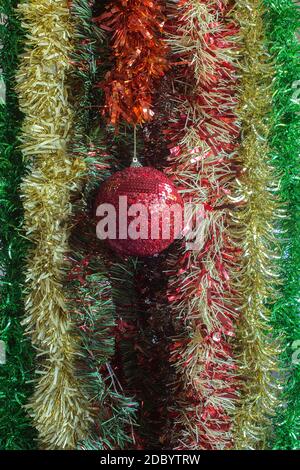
<point>135,161</point>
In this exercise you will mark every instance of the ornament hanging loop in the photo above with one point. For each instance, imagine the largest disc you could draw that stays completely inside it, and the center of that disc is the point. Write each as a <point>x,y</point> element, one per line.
<point>135,161</point>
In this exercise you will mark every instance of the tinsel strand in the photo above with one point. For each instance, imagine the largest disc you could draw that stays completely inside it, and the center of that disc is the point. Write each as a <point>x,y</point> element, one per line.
<point>143,324</point>
<point>129,369</point>
<point>256,191</point>
<point>140,58</point>
<point>151,344</point>
<point>91,297</point>
<point>282,21</point>
<point>203,132</point>
<point>89,289</point>
<point>16,363</point>
<point>59,408</point>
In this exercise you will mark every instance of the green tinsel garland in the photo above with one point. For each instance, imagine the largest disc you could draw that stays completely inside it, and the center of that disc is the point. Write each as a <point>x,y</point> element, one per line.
<point>92,302</point>
<point>282,21</point>
<point>16,432</point>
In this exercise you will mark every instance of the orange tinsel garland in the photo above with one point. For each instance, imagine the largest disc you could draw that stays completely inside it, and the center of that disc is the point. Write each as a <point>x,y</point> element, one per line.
<point>140,58</point>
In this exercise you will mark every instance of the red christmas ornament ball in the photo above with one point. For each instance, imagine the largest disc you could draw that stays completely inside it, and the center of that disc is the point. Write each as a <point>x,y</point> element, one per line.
<point>156,195</point>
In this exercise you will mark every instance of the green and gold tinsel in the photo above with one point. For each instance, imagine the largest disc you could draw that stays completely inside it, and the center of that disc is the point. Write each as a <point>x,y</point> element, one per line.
<point>282,20</point>
<point>16,369</point>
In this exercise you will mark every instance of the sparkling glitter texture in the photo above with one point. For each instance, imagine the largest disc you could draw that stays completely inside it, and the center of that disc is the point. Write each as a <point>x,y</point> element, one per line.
<point>140,58</point>
<point>157,194</point>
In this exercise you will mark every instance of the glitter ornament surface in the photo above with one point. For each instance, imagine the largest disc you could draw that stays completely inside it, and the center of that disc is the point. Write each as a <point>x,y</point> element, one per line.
<point>156,195</point>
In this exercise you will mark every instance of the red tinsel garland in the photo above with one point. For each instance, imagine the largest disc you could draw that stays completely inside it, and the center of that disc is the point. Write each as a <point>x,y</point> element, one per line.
<point>203,135</point>
<point>140,58</point>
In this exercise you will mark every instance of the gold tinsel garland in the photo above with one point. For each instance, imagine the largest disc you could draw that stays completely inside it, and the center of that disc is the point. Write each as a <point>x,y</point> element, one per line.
<point>254,232</point>
<point>59,407</point>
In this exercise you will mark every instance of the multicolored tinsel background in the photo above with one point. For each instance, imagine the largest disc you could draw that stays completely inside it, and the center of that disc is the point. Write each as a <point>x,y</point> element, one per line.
<point>196,347</point>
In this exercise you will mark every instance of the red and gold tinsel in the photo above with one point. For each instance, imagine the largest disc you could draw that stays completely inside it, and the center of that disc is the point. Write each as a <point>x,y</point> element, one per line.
<point>203,135</point>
